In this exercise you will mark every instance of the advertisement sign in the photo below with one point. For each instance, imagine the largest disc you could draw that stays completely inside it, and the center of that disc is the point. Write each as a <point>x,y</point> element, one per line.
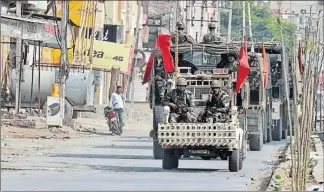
<point>108,54</point>
<point>24,29</point>
<point>33,30</point>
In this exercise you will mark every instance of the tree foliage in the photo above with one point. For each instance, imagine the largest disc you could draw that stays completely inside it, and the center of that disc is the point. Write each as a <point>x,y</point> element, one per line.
<point>265,25</point>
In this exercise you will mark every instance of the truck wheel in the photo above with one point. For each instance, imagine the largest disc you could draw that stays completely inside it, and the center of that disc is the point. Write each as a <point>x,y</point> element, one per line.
<point>264,129</point>
<point>168,160</point>
<point>157,118</point>
<point>284,134</point>
<point>256,142</point>
<point>241,159</point>
<point>269,137</point>
<point>277,132</point>
<point>157,150</point>
<point>234,161</point>
<point>205,158</point>
<point>245,150</point>
<point>175,162</point>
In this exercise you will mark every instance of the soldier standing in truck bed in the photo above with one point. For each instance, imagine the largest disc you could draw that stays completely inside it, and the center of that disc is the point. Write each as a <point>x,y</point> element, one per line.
<point>183,38</point>
<point>181,103</point>
<point>212,37</point>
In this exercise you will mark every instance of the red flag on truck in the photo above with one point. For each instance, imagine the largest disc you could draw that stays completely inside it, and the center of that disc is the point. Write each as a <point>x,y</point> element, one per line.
<point>243,70</point>
<point>164,44</point>
<point>148,69</point>
<point>265,66</point>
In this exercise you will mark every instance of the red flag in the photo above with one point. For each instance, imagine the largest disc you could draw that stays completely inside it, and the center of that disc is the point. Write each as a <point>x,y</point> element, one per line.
<point>265,66</point>
<point>148,69</point>
<point>243,70</point>
<point>300,59</point>
<point>164,44</point>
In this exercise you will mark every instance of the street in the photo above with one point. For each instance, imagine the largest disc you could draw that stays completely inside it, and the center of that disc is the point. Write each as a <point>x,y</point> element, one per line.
<point>104,162</point>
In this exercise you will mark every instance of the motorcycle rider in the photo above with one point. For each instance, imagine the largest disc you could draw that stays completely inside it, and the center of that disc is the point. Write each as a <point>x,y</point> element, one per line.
<point>218,99</point>
<point>180,102</point>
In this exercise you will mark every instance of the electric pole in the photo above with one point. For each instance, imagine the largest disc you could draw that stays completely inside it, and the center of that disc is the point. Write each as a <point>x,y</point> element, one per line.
<point>250,27</point>
<point>18,61</point>
<point>229,31</point>
<point>243,28</point>
<point>135,53</point>
<point>64,58</point>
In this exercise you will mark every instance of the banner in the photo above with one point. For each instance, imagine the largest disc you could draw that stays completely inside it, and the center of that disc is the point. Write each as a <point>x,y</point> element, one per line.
<point>108,54</point>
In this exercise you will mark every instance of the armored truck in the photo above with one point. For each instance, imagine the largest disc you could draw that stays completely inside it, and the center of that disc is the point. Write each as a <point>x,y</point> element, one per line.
<point>199,65</point>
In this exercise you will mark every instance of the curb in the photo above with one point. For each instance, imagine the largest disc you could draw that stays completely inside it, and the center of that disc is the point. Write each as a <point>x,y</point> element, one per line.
<point>318,168</point>
<point>284,158</point>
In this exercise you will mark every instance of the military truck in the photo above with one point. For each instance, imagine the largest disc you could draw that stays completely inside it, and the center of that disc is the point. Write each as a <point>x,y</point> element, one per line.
<point>260,123</point>
<point>227,140</point>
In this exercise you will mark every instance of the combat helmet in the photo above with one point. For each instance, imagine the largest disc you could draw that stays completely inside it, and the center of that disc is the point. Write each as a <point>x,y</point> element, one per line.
<point>216,84</point>
<point>180,26</point>
<point>211,26</point>
<point>181,81</point>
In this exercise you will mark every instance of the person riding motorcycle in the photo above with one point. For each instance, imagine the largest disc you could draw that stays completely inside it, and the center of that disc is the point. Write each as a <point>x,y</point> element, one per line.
<point>218,102</point>
<point>180,102</point>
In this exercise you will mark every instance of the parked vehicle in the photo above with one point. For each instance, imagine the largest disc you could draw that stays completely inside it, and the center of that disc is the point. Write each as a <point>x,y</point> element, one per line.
<point>113,121</point>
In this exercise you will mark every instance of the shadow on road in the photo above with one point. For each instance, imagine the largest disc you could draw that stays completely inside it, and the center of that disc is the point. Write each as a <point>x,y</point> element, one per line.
<point>100,156</point>
<point>134,140</point>
<point>152,169</point>
<point>124,147</point>
<point>138,137</point>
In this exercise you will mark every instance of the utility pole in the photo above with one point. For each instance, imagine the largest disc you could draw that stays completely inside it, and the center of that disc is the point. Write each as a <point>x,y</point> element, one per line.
<point>64,58</point>
<point>135,53</point>
<point>229,31</point>
<point>243,28</point>
<point>250,26</point>
<point>18,60</point>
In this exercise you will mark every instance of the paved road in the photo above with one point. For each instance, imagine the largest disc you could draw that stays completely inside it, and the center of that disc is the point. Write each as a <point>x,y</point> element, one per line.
<point>125,163</point>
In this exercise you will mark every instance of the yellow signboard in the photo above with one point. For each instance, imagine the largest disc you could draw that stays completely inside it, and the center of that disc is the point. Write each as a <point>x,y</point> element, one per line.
<point>108,54</point>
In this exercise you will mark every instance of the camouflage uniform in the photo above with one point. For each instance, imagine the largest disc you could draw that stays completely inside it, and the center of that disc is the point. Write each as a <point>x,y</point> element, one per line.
<point>184,102</point>
<point>160,82</point>
<point>183,38</point>
<point>220,101</point>
<point>211,36</point>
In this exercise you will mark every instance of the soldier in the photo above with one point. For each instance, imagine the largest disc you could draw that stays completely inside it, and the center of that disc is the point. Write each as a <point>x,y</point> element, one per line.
<point>180,102</point>
<point>160,76</point>
<point>183,38</point>
<point>211,36</point>
<point>218,101</point>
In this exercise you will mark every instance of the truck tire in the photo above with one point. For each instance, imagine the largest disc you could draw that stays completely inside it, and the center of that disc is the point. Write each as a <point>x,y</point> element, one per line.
<point>269,136</point>
<point>264,129</point>
<point>157,150</point>
<point>169,159</point>
<point>175,162</point>
<point>277,133</point>
<point>234,161</point>
<point>241,159</point>
<point>157,118</point>
<point>284,134</point>
<point>256,141</point>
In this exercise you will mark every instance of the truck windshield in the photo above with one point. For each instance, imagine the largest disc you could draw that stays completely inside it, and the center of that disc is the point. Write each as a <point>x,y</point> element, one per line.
<point>201,58</point>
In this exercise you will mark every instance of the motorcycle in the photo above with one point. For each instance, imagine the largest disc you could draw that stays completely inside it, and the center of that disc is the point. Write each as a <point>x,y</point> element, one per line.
<point>113,121</point>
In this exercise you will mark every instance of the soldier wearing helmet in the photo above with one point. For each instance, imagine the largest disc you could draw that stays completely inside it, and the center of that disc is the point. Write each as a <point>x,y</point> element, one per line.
<point>218,98</point>
<point>180,102</point>
<point>212,36</point>
<point>183,37</point>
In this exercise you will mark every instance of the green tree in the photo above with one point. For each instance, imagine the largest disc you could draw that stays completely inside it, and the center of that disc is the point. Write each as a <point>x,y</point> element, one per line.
<point>265,25</point>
